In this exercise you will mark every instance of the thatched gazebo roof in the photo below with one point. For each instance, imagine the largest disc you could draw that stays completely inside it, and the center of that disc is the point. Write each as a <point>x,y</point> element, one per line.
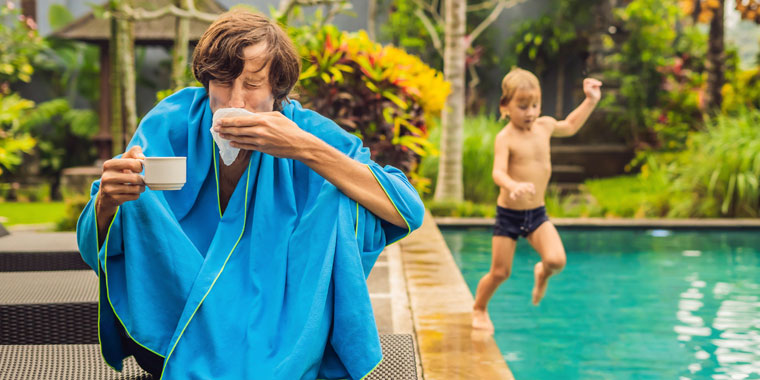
<point>160,31</point>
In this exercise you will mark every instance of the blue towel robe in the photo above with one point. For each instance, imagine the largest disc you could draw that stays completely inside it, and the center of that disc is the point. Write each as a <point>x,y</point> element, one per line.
<point>275,288</point>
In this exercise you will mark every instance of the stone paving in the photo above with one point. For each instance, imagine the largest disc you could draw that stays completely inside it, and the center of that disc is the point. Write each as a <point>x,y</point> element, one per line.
<point>441,305</point>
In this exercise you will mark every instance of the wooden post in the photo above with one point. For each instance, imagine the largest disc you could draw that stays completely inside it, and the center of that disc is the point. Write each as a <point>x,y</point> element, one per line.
<point>114,89</point>
<point>181,46</point>
<point>103,138</point>
<point>29,9</point>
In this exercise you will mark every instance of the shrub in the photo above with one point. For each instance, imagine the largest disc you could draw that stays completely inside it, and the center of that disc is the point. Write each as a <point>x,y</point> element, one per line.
<point>73,208</point>
<point>477,158</point>
<point>580,204</point>
<point>718,174</point>
<point>380,93</point>
<point>656,66</point>
<point>14,139</point>
<point>629,196</point>
<point>742,91</point>
<point>460,209</point>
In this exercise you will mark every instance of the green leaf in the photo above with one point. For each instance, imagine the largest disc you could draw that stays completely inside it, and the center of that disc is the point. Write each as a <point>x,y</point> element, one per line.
<point>395,99</point>
<point>729,195</point>
<point>59,16</point>
<point>337,74</point>
<point>388,115</point>
<point>310,72</point>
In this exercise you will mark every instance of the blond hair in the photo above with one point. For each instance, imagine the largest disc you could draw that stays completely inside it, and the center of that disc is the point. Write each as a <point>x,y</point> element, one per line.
<point>516,79</point>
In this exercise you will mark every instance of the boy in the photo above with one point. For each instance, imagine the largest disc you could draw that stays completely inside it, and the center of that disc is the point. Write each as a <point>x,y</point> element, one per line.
<point>522,168</point>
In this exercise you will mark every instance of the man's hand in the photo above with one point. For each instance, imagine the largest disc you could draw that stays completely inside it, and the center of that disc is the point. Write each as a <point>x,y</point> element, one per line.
<point>521,189</point>
<point>267,132</point>
<point>592,89</point>
<point>120,181</point>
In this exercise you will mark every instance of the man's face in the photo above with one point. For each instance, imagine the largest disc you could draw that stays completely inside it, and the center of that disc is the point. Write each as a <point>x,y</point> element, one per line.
<point>250,90</point>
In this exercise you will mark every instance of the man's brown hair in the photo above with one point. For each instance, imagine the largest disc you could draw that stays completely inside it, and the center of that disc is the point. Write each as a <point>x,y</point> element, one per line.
<point>219,54</point>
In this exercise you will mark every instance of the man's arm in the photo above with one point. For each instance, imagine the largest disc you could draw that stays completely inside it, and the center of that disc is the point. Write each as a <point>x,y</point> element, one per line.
<point>119,183</point>
<point>352,178</point>
<point>275,134</point>
<point>576,119</point>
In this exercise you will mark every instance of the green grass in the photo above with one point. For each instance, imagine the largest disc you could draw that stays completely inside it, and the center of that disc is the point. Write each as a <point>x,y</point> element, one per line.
<point>31,212</point>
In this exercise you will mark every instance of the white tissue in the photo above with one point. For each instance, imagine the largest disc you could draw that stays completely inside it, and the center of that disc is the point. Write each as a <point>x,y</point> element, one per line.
<point>227,152</point>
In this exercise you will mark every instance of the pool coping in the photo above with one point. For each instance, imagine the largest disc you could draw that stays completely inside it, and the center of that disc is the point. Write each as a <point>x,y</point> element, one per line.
<point>712,223</point>
<point>441,310</point>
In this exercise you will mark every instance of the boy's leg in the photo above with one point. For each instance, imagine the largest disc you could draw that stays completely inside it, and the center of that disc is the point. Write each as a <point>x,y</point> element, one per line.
<point>546,241</point>
<point>502,255</point>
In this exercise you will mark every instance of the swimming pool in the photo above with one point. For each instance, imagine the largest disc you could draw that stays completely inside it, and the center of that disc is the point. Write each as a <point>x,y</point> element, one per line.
<point>631,304</point>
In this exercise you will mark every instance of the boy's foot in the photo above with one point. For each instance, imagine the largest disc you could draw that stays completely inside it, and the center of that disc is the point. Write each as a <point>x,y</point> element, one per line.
<point>539,289</point>
<point>481,321</point>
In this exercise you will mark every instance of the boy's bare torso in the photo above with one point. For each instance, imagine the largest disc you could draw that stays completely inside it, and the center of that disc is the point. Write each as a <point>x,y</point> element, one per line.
<point>529,161</point>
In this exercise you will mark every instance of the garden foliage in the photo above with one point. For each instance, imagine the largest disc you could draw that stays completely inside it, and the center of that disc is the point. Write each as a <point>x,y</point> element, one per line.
<point>648,27</point>
<point>718,174</point>
<point>20,45</point>
<point>53,134</point>
<point>742,91</point>
<point>14,140</point>
<point>380,93</point>
<point>477,159</point>
<point>539,43</point>
<point>405,29</point>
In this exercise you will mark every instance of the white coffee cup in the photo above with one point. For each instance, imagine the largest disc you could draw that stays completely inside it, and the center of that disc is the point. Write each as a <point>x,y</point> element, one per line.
<point>164,173</point>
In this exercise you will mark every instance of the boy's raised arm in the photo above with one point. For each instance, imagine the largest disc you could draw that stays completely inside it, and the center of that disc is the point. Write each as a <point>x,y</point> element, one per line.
<point>576,119</point>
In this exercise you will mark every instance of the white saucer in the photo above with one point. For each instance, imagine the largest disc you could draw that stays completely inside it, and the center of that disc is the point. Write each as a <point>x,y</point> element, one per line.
<point>166,186</point>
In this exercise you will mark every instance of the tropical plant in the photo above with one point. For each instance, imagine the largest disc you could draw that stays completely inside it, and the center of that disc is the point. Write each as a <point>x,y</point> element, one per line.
<point>380,93</point>
<point>63,138</point>
<point>650,36</point>
<point>742,91</point>
<point>21,44</point>
<point>406,30</point>
<point>71,68</point>
<point>718,174</point>
<point>564,31</point>
<point>14,140</point>
<point>711,12</point>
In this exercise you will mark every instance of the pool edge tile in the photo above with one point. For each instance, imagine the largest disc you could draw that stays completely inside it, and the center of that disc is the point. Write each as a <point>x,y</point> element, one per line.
<point>441,307</point>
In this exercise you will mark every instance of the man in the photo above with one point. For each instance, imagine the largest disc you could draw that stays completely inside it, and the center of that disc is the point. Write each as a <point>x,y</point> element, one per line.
<point>256,269</point>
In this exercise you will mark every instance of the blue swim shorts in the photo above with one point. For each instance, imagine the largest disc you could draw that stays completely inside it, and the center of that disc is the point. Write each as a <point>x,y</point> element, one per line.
<point>516,223</point>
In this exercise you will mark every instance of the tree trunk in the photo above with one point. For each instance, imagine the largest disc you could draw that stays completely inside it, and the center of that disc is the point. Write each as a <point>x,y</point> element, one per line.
<point>715,60</point>
<point>181,46</point>
<point>117,127</point>
<point>371,16</point>
<point>449,183</point>
<point>129,99</point>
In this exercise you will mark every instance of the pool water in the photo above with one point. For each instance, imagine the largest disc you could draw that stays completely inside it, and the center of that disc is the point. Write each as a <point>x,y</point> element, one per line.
<point>631,304</point>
